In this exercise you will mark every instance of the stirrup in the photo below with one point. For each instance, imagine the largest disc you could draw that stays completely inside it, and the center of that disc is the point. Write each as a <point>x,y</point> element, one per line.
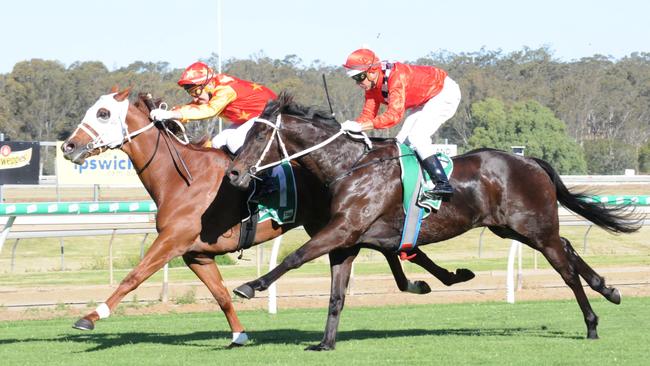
<point>439,191</point>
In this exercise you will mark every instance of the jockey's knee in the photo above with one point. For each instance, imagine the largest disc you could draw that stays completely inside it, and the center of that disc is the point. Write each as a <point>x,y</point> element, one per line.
<point>422,146</point>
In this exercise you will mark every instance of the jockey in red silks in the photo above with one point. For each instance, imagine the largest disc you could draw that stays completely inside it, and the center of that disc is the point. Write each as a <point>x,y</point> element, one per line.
<point>430,94</point>
<point>213,95</point>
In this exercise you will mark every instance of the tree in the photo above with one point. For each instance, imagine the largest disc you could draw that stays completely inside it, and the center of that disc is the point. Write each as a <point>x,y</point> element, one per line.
<point>39,96</point>
<point>608,156</point>
<point>644,159</point>
<point>529,124</point>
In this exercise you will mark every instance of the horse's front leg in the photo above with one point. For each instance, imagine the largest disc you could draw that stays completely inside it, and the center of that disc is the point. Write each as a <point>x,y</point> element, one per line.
<point>163,249</point>
<point>336,234</point>
<point>340,267</point>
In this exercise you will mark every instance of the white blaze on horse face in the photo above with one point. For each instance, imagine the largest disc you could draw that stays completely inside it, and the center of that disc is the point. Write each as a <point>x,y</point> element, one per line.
<point>109,130</point>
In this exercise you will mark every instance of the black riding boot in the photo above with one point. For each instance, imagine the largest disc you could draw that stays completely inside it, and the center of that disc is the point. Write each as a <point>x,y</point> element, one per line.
<point>442,188</point>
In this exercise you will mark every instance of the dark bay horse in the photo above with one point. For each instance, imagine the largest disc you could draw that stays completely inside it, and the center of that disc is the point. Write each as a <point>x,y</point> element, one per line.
<point>515,197</point>
<point>198,217</point>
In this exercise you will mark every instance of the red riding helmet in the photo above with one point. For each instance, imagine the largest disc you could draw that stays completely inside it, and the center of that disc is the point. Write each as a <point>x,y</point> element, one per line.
<point>361,60</point>
<point>197,73</point>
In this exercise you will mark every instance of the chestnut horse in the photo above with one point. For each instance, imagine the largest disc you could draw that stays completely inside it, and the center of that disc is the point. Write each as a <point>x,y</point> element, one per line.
<point>515,197</point>
<point>198,217</point>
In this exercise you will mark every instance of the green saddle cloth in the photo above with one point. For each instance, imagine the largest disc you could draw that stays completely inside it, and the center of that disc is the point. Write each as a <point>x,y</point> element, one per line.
<point>281,204</point>
<point>410,167</point>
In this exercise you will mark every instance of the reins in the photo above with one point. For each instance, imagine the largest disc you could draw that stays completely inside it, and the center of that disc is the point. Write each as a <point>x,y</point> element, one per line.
<point>276,133</point>
<point>149,103</point>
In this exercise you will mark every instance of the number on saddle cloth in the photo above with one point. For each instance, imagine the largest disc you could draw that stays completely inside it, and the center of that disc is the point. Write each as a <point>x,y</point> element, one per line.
<point>416,205</point>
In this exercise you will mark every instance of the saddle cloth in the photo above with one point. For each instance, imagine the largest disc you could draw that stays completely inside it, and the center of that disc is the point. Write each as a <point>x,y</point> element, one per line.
<point>415,204</point>
<point>279,201</point>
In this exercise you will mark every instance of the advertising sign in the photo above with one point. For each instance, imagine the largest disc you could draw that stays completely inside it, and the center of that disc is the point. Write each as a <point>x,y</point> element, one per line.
<point>112,167</point>
<point>448,149</point>
<point>19,162</point>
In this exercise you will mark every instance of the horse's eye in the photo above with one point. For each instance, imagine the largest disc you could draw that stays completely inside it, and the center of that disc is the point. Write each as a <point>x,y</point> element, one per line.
<point>259,136</point>
<point>103,115</point>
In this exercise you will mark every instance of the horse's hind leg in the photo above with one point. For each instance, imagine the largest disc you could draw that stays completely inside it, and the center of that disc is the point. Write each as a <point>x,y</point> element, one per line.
<point>442,274</point>
<point>207,271</point>
<point>553,250</point>
<point>403,283</point>
<point>593,279</point>
<point>340,267</point>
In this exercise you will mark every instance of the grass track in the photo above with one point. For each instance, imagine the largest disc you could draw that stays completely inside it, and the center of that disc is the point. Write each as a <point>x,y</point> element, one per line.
<point>450,334</point>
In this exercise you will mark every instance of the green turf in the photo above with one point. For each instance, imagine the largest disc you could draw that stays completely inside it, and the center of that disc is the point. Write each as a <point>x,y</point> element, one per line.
<point>527,333</point>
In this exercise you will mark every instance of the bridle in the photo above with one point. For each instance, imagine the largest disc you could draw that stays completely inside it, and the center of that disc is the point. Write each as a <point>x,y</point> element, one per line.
<point>103,141</point>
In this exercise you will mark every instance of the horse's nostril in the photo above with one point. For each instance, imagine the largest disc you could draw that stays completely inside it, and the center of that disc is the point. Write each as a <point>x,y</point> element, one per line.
<point>234,174</point>
<point>68,147</point>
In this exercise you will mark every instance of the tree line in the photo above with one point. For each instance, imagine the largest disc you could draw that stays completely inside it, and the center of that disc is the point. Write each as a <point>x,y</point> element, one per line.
<point>587,116</point>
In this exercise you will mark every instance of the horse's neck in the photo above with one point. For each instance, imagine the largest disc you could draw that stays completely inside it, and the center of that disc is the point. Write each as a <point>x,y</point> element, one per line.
<point>153,156</point>
<point>335,159</point>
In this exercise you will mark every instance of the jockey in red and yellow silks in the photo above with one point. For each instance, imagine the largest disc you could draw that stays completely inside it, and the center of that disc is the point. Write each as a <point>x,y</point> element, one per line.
<point>428,91</point>
<point>219,95</point>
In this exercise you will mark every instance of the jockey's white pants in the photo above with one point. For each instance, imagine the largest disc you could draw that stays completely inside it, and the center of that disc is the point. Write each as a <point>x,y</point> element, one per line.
<point>233,137</point>
<point>424,121</point>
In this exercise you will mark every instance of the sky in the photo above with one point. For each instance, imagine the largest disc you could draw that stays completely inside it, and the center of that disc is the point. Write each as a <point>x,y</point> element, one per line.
<point>119,32</point>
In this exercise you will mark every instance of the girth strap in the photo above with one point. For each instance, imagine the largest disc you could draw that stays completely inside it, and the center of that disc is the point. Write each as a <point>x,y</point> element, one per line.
<point>247,231</point>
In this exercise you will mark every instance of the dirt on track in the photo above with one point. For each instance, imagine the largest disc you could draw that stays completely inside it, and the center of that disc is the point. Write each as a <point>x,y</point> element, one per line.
<point>73,301</point>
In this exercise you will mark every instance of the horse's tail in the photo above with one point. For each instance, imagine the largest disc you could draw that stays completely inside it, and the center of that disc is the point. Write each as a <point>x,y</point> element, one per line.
<point>619,218</point>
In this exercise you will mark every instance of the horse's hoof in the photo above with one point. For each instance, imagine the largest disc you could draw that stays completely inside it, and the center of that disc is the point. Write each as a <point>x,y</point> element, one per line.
<point>614,296</point>
<point>319,347</point>
<point>84,324</point>
<point>418,287</point>
<point>245,291</point>
<point>464,274</point>
<point>234,345</point>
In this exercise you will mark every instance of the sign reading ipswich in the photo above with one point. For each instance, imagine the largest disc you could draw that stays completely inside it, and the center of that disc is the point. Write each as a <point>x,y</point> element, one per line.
<point>110,167</point>
<point>19,162</point>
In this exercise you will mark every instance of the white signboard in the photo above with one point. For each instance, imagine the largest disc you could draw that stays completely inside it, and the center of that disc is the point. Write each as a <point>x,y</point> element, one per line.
<point>112,167</point>
<point>447,149</point>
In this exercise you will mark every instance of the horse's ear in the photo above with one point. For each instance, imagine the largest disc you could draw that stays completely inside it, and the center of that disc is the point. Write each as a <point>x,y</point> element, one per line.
<point>123,94</point>
<point>115,89</point>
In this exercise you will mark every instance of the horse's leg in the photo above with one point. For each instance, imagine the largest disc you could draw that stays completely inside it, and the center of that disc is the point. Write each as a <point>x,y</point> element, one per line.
<point>554,252</point>
<point>593,279</point>
<point>162,251</point>
<point>340,267</point>
<point>403,283</point>
<point>336,234</point>
<point>207,271</point>
<point>442,274</point>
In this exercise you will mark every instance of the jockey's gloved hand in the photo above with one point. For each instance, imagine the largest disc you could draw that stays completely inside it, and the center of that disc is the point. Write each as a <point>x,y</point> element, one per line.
<point>161,114</point>
<point>352,126</point>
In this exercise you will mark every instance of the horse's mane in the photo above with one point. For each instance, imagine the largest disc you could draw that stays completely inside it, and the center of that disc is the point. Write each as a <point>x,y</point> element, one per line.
<point>286,105</point>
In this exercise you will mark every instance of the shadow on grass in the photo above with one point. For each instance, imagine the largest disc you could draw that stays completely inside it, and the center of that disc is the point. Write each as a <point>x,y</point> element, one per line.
<point>98,341</point>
